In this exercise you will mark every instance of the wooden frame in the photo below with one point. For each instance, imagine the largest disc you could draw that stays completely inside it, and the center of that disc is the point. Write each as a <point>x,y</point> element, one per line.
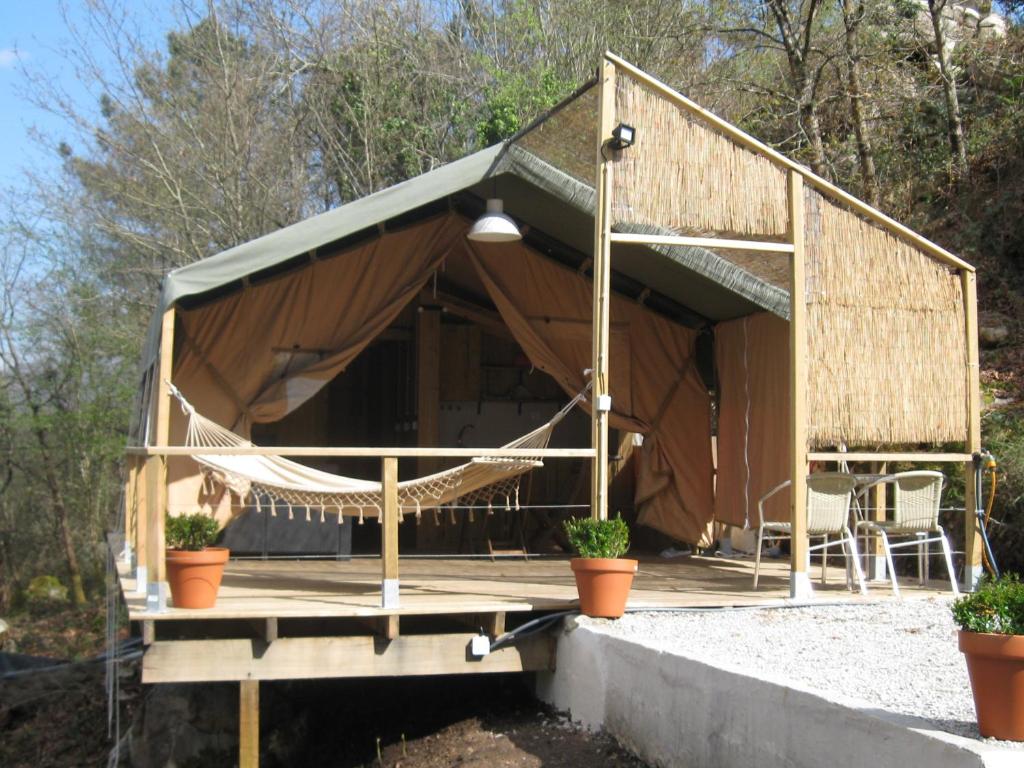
<point>799,582</point>
<point>703,242</point>
<point>295,658</point>
<point>972,537</point>
<point>602,295</point>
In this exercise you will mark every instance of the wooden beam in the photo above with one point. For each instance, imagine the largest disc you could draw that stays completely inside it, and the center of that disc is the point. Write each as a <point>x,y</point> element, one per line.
<point>153,525</point>
<point>919,456</point>
<point>428,385</point>
<point>749,142</point>
<point>390,626</point>
<point>703,242</point>
<point>141,526</point>
<point>972,536</point>
<point>367,452</point>
<point>293,658</point>
<point>249,724</point>
<point>389,533</point>
<point>876,555</point>
<point>799,585</point>
<point>158,510</point>
<point>131,500</point>
<point>602,295</point>
<point>266,629</point>
<point>487,319</point>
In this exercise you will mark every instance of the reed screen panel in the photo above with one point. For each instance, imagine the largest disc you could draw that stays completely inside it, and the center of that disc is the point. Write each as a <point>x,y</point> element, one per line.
<point>887,357</point>
<point>684,177</point>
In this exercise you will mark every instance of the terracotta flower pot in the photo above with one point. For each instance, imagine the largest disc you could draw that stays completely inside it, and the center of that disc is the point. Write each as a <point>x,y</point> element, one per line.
<point>603,584</point>
<point>195,576</point>
<point>996,666</point>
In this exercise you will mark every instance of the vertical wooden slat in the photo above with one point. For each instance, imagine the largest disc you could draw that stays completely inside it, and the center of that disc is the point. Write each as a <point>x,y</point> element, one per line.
<point>876,566</point>
<point>972,538</point>
<point>428,384</point>
<point>602,297</point>
<point>249,724</point>
<point>389,533</point>
<point>141,525</point>
<point>800,586</point>
<point>158,563</point>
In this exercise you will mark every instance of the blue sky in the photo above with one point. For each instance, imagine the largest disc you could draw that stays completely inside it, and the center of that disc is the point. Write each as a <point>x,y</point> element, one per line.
<point>32,33</point>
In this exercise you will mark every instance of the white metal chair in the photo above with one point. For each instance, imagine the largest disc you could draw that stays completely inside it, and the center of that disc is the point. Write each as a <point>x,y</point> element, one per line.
<point>829,495</point>
<point>915,512</point>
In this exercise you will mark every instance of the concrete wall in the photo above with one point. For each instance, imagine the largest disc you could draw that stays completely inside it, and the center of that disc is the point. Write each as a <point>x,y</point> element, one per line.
<point>676,711</point>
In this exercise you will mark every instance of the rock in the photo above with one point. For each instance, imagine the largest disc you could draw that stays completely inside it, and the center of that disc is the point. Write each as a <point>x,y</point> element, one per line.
<point>45,592</point>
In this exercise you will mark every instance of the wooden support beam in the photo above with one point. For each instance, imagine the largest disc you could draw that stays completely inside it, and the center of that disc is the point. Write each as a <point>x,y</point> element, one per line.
<point>602,295</point>
<point>141,526</point>
<point>390,627</point>
<point>157,493</point>
<point>428,385</point>
<point>972,536</point>
<point>266,629</point>
<point>492,624</point>
<point>876,554</point>
<point>389,533</point>
<point>294,658</point>
<point>487,319</point>
<point>249,724</point>
<point>148,632</point>
<point>919,456</point>
<point>131,500</point>
<point>703,242</point>
<point>365,452</point>
<point>799,585</point>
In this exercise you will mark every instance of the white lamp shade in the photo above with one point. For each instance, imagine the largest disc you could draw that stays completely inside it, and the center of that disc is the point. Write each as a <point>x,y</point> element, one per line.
<point>494,226</point>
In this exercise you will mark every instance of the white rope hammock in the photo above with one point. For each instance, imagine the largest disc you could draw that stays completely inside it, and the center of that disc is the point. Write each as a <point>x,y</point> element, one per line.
<point>482,479</point>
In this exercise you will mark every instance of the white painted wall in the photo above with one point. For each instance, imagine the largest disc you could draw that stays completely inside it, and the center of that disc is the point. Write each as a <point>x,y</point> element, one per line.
<point>676,711</point>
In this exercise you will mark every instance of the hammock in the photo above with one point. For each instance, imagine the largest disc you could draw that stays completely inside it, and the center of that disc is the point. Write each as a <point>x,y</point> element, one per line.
<point>482,479</point>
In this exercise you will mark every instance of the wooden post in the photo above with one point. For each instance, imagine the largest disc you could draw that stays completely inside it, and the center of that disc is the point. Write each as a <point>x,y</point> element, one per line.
<point>972,538</point>
<point>156,496</point>
<point>876,555</point>
<point>799,582</point>
<point>141,542</point>
<point>428,384</point>
<point>249,724</point>
<point>600,399</point>
<point>389,533</point>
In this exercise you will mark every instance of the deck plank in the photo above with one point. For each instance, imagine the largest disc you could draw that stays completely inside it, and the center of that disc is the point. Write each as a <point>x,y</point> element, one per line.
<point>254,589</point>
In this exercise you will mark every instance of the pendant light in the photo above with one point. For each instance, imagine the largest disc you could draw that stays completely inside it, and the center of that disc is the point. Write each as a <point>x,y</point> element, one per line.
<point>494,226</point>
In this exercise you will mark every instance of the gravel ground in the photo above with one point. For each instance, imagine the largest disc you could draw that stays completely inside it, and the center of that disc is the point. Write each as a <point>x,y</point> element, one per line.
<point>901,657</point>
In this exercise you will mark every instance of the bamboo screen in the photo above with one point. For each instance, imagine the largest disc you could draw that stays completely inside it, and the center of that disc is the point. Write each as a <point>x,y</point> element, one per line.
<point>684,177</point>
<point>887,358</point>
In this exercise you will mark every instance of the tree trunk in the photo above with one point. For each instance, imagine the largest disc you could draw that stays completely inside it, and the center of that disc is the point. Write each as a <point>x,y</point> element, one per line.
<point>853,14</point>
<point>60,511</point>
<point>954,124</point>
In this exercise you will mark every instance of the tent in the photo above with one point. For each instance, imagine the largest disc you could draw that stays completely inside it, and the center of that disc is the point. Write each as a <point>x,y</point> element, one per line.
<point>700,231</point>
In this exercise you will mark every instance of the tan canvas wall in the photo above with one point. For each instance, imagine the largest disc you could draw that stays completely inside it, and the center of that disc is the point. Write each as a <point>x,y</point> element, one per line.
<point>258,354</point>
<point>655,387</point>
<point>752,358</point>
<point>684,177</point>
<point>887,357</point>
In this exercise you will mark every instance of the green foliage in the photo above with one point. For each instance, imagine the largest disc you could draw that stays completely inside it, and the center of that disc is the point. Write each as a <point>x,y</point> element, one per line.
<point>997,606</point>
<point>191,532</point>
<point>598,538</point>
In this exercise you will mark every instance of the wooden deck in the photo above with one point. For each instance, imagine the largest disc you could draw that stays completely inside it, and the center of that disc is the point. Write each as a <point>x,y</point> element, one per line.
<point>255,589</point>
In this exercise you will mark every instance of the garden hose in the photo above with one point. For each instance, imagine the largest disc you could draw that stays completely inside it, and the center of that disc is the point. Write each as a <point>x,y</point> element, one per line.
<point>984,514</point>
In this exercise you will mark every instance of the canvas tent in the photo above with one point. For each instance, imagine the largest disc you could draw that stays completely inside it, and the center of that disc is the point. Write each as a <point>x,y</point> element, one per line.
<point>698,229</point>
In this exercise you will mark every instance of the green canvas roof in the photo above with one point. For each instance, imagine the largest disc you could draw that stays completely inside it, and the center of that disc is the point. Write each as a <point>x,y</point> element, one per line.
<point>549,199</point>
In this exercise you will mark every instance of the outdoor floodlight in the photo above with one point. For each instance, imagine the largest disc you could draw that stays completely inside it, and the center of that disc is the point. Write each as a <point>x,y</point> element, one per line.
<point>622,136</point>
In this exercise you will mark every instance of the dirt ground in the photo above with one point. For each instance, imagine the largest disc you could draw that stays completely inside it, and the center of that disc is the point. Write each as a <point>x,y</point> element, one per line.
<point>59,717</point>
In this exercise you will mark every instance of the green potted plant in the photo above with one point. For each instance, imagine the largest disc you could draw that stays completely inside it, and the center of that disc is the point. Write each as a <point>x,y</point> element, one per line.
<point>991,637</point>
<point>603,577</point>
<point>194,568</point>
